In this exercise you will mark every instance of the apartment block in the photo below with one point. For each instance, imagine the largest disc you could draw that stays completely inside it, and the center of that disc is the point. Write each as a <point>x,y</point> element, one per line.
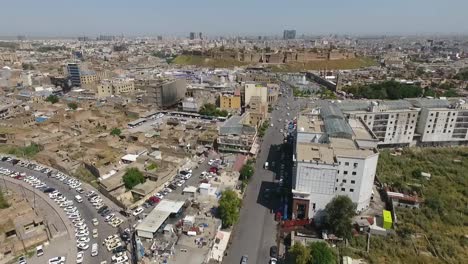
<point>332,156</point>
<point>441,121</point>
<point>414,121</point>
<point>230,102</point>
<point>115,87</point>
<point>255,89</point>
<point>162,93</point>
<point>393,122</point>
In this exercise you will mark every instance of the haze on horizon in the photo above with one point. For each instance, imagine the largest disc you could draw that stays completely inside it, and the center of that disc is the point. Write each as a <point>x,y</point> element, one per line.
<point>260,17</point>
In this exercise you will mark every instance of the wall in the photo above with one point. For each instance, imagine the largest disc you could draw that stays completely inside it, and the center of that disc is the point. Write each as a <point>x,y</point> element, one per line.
<point>251,89</point>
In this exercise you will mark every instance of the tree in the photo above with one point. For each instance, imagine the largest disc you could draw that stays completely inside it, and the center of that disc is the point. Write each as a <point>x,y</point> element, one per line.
<point>229,206</point>
<point>321,253</point>
<point>211,110</point>
<point>52,99</point>
<point>338,216</point>
<point>299,254</point>
<point>116,132</point>
<point>246,172</point>
<point>327,94</point>
<point>133,177</point>
<point>72,105</point>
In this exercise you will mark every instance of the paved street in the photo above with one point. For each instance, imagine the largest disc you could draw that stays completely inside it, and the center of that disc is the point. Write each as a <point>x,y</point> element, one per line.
<point>87,212</point>
<point>255,232</point>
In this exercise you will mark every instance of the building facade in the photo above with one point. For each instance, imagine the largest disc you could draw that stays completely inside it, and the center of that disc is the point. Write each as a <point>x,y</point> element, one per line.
<point>230,102</point>
<point>162,93</point>
<point>115,87</point>
<point>74,74</point>
<point>255,89</point>
<point>331,158</point>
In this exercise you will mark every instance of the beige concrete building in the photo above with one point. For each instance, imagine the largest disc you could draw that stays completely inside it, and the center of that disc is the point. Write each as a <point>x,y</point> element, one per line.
<point>115,87</point>
<point>255,89</point>
<point>230,102</point>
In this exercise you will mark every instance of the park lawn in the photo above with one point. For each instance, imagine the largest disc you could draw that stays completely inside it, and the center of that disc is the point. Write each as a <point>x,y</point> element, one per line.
<point>443,218</point>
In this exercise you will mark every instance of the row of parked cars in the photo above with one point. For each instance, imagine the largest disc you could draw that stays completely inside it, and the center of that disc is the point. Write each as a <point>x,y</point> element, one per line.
<point>117,246</point>
<point>82,232</point>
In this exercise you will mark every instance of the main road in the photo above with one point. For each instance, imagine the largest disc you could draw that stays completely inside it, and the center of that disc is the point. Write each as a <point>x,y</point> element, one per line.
<point>255,231</point>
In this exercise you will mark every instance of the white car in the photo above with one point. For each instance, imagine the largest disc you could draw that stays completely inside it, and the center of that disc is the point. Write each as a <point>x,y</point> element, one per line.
<point>113,246</point>
<point>95,233</point>
<point>116,222</point>
<point>95,222</point>
<point>57,260</point>
<point>109,217</point>
<point>138,211</point>
<point>79,257</point>
<point>82,233</point>
<point>82,240</point>
<point>82,246</point>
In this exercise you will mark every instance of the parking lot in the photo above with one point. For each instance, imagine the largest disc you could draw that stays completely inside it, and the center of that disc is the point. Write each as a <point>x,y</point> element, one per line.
<point>63,191</point>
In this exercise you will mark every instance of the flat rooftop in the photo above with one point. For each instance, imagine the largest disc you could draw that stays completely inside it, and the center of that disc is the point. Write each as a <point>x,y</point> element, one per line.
<point>360,131</point>
<point>310,124</point>
<point>315,152</point>
<point>159,214</point>
<point>327,153</point>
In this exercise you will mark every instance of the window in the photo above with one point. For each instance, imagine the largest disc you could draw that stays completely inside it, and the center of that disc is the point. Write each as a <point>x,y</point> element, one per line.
<point>355,165</point>
<point>345,172</point>
<point>344,181</point>
<point>343,189</point>
<point>336,180</point>
<point>354,173</point>
<point>346,164</point>
<point>353,181</point>
<point>351,190</point>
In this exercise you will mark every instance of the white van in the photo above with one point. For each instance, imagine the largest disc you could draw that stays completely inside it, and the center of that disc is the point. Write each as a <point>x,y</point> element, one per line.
<point>266,165</point>
<point>94,250</point>
<point>78,199</point>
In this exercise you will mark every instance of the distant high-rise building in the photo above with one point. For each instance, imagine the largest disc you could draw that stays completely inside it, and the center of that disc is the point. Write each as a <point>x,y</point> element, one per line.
<point>106,38</point>
<point>160,38</point>
<point>83,38</point>
<point>192,35</point>
<point>21,37</point>
<point>74,73</point>
<point>200,35</point>
<point>289,34</point>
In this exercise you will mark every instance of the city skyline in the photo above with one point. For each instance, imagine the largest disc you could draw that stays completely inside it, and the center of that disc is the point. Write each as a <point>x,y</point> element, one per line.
<point>177,18</point>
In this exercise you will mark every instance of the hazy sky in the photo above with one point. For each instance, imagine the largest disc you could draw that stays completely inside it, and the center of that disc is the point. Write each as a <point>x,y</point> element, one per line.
<point>222,17</point>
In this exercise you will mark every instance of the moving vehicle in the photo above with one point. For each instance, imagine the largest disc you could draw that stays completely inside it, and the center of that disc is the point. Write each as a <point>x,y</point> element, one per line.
<point>266,165</point>
<point>244,259</point>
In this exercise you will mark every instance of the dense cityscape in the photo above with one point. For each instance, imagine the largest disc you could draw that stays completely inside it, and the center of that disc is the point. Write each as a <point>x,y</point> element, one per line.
<point>280,148</point>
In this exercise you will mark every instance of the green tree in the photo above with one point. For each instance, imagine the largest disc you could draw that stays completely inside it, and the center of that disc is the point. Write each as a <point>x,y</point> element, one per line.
<point>116,132</point>
<point>321,253</point>
<point>72,105</point>
<point>211,110</point>
<point>338,216</point>
<point>451,93</point>
<point>327,94</point>
<point>133,177</point>
<point>229,206</point>
<point>52,99</point>
<point>246,172</point>
<point>299,254</point>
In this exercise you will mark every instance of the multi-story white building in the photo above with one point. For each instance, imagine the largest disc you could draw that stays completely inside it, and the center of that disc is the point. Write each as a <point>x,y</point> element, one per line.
<point>333,156</point>
<point>441,121</point>
<point>393,122</point>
